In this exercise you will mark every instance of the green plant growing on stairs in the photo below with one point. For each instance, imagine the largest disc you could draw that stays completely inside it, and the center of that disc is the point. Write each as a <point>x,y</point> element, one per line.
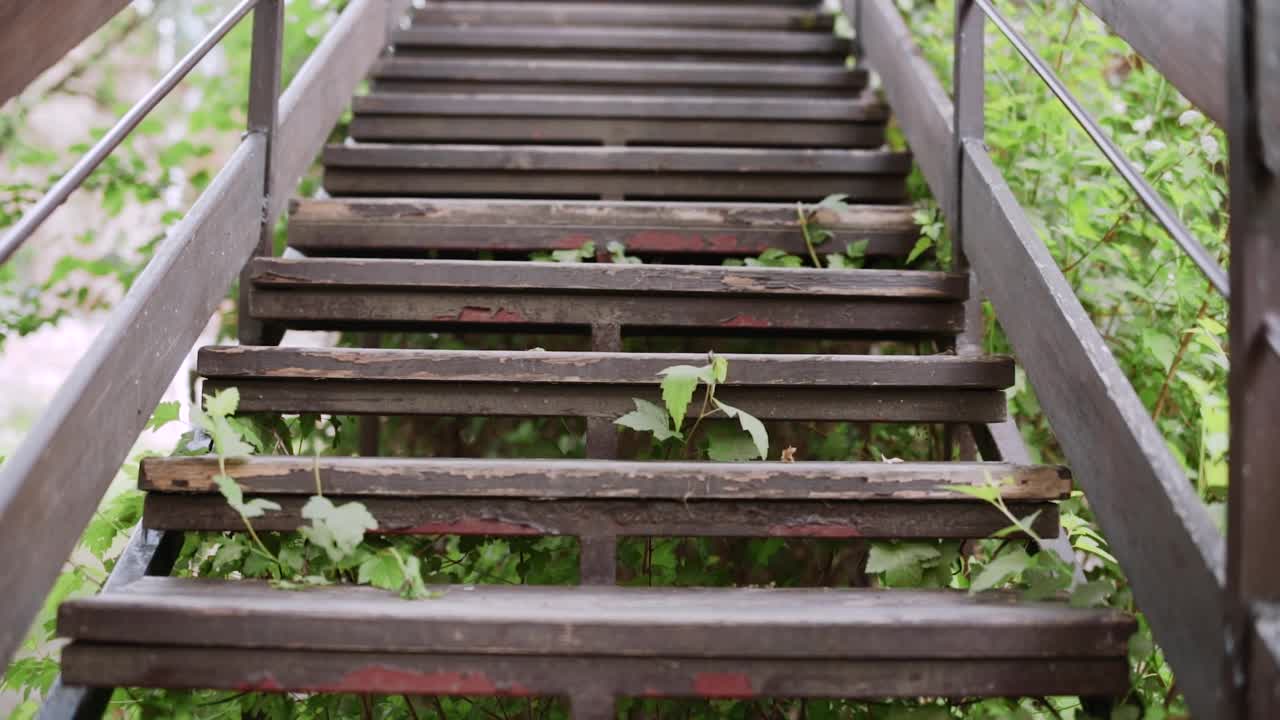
<point>1044,574</point>
<point>228,443</point>
<point>679,384</point>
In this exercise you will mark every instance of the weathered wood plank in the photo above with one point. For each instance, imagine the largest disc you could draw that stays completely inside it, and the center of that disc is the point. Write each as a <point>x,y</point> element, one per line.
<point>612,131</point>
<point>408,227</point>
<point>862,109</point>
<point>616,39</point>
<point>528,158</point>
<point>360,397</point>
<point>533,516</point>
<point>621,74</point>
<point>606,278</point>
<point>462,366</point>
<point>575,312</point>
<point>595,479</point>
<point>614,185</point>
<point>600,621</point>
<point>442,674</point>
<point>722,16</point>
<point>35,35</point>
<point>50,487</point>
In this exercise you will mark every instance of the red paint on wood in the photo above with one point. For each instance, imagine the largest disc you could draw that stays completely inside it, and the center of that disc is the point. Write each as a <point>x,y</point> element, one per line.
<point>572,241</point>
<point>467,526</point>
<point>665,240</point>
<point>745,321</point>
<point>815,530</point>
<point>390,680</point>
<point>723,685</point>
<point>261,682</point>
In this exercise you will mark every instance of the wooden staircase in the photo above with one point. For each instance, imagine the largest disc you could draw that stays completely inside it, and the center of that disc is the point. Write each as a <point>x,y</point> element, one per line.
<point>684,132</point>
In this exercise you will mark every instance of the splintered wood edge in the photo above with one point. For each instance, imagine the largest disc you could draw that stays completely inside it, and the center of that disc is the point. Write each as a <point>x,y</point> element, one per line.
<point>819,481</point>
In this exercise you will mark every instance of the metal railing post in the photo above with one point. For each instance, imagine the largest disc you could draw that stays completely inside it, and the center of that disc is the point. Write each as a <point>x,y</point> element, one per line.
<point>969,123</point>
<point>1253,576</point>
<point>264,102</point>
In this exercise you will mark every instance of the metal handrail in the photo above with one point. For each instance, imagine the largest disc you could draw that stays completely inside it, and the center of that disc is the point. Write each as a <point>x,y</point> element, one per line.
<point>75,177</point>
<point>1150,198</point>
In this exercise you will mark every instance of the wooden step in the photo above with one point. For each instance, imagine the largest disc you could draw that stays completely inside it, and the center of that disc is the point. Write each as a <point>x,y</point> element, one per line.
<point>523,640</point>
<point>633,77</point>
<point>618,119</point>
<point>602,385</point>
<point>641,299</point>
<point>595,498</point>
<point>615,173</point>
<point>612,39</point>
<point>412,227</point>
<point>661,14</point>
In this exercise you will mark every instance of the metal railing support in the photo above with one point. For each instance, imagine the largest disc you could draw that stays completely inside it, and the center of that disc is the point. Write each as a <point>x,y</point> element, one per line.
<point>264,104</point>
<point>1253,575</point>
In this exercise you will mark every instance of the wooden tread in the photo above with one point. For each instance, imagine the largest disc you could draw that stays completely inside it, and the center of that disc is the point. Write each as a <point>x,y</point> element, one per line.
<point>602,385</point>
<point>592,498</point>
<point>408,227</point>
<point>512,640</point>
<point>658,76</point>
<point>615,172</point>
<point>661,14</point>
<point>618,119</point>
<point>697,41</point>
<point>457,294</point>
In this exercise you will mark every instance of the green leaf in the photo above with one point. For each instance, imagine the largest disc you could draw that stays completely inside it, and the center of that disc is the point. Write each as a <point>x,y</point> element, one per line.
<point>988,492</point>
<point>753,426</point>
<point>902,563</point>
<point>337,529</point>
<point>383,570</point>
<point>731,447</point>
<point>223,403</point>
<point>1092,594</point>
<point>678,385</point>
<point>1000,570</point>
<point>235,498</point>
<point>650,418</point>
<point>166,412</point>
<point>923,244</point>
<point>719,368</point>
<point>1161,346</point>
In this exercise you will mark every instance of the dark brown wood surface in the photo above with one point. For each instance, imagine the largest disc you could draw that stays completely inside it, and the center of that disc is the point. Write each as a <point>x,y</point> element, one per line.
<point>594,479</point>
<point>405,227</point>
<point>607,621</point>
<point>614,185</point>
<point>35,35</point>
<point>865,109</point>
<point>658,14</point>
<point>442,674</point>
<point>615,279</point>
<point>615,39</point>
<point>603,520</point>
<point>633,368</point>
<point>622,75</point>
<point>615,131</point>
<point>508,399</point>
<point>532,158</point>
